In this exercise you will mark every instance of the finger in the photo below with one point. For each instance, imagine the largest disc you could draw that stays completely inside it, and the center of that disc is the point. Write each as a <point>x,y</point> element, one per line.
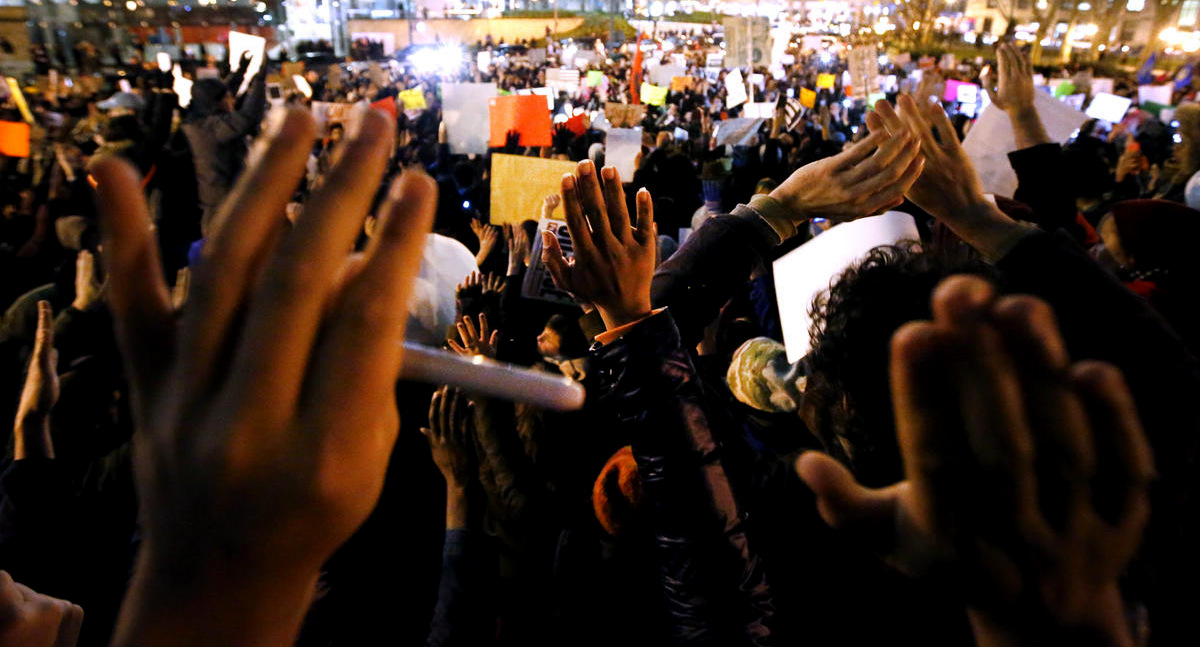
<point>139,299</point>
<point>69,627</point>
<point>915,123</point>
<point>494,337</point>
<point>885,111</point>
<point>647,229</point>
<point>1124,460</point>
<point>941,123</point>
<point>888,163</point>
<point>297,289</point>
<point>554,259</point>
<point>928,419</point>
<point>470,324</point>
<point>361,349</point>
<point>458,348</point>
<point>435,405</point>
<point>997,428</point>
<point>892,196</point>
<point>483,325</point>
<point>591,198</point>
<point>614,199</point>
<point>43,341</point>
<point>577,223</point>
<point>874,121</point>
<point>245,229</point>
<point>1057,420</point>
<point>843,503</point>
<point>859,152</point>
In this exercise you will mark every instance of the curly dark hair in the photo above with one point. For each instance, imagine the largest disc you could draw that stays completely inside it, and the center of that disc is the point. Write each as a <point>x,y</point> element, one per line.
<point>851,332</point>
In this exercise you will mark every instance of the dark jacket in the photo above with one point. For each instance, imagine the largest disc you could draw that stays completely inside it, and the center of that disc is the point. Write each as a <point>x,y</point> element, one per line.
<point>218,143</point>
<point>715,589</point>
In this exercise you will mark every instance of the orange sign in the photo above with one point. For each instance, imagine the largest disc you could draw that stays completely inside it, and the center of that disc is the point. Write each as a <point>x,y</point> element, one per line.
<point>527,114</point>
<point>14,139</point>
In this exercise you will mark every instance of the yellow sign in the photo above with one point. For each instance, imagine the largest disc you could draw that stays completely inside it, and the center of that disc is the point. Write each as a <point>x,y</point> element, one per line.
<point>519,184</point>
<point>808,98</point>
<point>14,89</point>
<point>653,95</point>
<point>413,99</point>
<point>825,81</point>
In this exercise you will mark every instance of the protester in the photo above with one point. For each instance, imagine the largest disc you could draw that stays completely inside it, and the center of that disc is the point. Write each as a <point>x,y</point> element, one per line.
<point>987,434</point>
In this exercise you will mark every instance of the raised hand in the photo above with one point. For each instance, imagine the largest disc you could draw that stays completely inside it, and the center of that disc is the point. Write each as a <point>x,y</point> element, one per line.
<point>1010,86</point>
<point>265,413</point>
<point>30,619</point>
<point>493,283</point>
<point>32,429</point>
<point>614,258</point>
<point>88,290</point>
<point>487,236</point>
<point>451,436</point>
<point>475,341</point>
<point>868,178</point>
<point>1012,91</point>
<point>1027,476</point>
<point>518,248</point>
<point>549,204</point>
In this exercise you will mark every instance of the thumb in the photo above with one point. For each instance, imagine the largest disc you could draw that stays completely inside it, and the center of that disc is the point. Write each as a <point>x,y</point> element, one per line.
<point>43,344</point>
<point>552,256</point>
<point>842,502</point>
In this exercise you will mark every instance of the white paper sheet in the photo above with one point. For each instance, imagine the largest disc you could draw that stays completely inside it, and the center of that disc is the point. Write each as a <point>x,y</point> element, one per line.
<point>1099,86</point>
<point>464,109</point>
<point>1156,93</point>
<point>736,132</point>
<point>621,148</point>
<point>735,88</point>
<point>991,140</point>
<point>239,44</point>
<point>759,110</point>
<point>662,74</point>
<point>805,272</point>
<point>1109,107</point>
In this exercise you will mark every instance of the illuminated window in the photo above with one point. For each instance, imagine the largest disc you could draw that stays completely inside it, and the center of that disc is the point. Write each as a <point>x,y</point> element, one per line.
<point>1187,14</point>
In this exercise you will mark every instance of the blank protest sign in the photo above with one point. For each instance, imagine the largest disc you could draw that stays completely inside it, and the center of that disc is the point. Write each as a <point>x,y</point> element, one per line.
<point>808,270</point>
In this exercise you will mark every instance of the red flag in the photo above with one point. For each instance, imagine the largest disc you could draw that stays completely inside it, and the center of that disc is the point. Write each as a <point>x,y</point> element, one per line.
<point>635,77</point>
<point>387,105</point>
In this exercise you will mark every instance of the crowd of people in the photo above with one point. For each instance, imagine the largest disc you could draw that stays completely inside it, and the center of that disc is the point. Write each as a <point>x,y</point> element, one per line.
<point>992,439</point>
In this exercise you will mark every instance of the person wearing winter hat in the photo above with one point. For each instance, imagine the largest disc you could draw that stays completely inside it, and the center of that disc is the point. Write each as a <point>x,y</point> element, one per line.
<point>217,130</point>
<point>759,376</point>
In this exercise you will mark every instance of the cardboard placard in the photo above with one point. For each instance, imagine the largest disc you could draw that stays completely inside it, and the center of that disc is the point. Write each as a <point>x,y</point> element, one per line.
<point>1101,86</point>
<point>14,138</point>
<point>461,104</point>
<point>682,83</point>
<point>621,148</point>
<point>808,98</point>
<point>327,114</point>
<point>808,270</point>
<point>519,184</point>
<point>826,81</point>
<point>747,40</point>
<point>624,115</point>
<point>863,62</point>
<point>594,77</point>
<point>539,283</point>
<point>525,114</point>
